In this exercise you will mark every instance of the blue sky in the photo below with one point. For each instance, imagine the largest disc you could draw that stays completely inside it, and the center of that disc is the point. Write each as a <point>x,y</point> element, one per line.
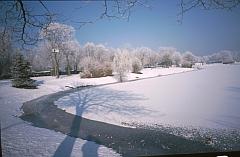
<point>202,32</point>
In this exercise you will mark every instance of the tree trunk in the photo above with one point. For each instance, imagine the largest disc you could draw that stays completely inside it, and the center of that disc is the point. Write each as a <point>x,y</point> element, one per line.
<point>56,70</point>
<point>68,66</point>
<point>120,77</point>
<point>75,67</point>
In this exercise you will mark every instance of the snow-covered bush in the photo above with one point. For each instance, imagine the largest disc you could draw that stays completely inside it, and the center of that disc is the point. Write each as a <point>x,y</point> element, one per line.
<point>136,65</point>
<point>93,68</point>
<point>122,63</point>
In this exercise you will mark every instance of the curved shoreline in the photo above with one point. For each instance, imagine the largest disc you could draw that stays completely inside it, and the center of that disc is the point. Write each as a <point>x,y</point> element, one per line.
<point>127,141</point>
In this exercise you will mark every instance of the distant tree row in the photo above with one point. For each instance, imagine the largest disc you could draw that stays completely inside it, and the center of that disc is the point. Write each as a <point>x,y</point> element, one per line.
<point>97,60</point>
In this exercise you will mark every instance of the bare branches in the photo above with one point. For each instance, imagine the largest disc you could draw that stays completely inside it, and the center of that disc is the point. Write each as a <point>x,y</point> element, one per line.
<point>44,6</point>
<point>187,5</point>
<point>112,9</point>
<point>83,23</point>
<point>120,9</point>
<point>23,12</point>
<point>22,23</point>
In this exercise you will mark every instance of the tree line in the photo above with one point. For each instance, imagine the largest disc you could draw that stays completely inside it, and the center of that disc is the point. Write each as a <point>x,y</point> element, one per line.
<point>97,60</point>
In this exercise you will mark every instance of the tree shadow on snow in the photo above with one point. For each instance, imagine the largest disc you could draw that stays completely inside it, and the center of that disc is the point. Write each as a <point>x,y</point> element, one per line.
<point>98,101</point>
<point>102,100</point>
<point>90,148</point>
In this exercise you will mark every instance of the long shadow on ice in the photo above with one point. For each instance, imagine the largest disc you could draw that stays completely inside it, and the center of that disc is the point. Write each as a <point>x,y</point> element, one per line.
<point>99,100</point>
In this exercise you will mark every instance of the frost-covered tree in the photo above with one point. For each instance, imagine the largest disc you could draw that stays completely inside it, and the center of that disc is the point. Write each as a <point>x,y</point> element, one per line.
<point>122,63</point>
<point>205,59</point>
<point>142,53</point>
<point>236,56</point>
<point>177,58</point>
<point>188,59</point>
<point>56,34</point>
<point>21,73</point>
<point>88,64</point>
<point>77,57</point>
<point>98,52</point>
<point>96,61</point>
<point>226,57</point>
<point>42,59</point>
<point>153,59</point>
<point>102,53</point>
<point>89,49</point>
<point>69,48</point>
<point>166,59</point>
<point>215,58</point>
<point>136,65</point>
<point>166,56</point>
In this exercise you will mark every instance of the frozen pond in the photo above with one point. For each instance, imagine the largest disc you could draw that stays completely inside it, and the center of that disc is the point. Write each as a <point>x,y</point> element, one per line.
<point>205,98</point>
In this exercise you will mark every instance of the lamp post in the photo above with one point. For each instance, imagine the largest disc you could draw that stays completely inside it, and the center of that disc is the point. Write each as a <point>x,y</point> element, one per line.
<point>56,68</point>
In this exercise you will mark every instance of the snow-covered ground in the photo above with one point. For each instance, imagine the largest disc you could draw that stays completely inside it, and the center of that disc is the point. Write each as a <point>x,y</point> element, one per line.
<point>53,84</point>
<point>19,138</point>
<point>205,98</point>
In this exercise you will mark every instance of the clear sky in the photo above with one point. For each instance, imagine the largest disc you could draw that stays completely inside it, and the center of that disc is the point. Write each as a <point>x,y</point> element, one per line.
<point>202,32</point>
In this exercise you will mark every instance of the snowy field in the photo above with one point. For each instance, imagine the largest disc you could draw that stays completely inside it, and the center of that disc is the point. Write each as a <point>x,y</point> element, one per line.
<point>206,98</point>
<point>19,138</point>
